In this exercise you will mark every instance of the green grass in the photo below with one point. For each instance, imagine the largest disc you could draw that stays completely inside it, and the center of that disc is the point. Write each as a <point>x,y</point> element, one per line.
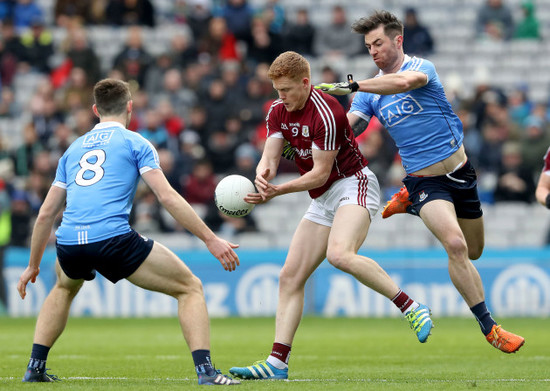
<point>328,354</point>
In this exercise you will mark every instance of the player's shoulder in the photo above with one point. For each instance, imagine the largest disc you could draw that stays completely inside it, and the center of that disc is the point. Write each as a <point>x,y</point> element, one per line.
<point>275,108</point>
<point>419,63</point>
<point>323,102</point>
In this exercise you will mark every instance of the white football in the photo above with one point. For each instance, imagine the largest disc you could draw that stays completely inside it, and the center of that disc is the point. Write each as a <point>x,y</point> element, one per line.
<point>229,195</point>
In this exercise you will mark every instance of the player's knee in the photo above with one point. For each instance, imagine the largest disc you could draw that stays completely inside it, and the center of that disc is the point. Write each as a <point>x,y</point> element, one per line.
<point>289,279</point>
<point>189,285</point>
<point>339,258</point>
<point>456,247</point>
<point>70,290</point>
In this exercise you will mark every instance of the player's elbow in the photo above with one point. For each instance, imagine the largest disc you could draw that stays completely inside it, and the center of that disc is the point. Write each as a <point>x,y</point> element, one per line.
<point>46,216</point>
<point>168,198</point>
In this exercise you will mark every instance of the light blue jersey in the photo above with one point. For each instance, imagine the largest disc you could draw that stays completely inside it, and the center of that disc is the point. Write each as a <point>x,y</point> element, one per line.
<point>421,121</point>
<point>100,172</point>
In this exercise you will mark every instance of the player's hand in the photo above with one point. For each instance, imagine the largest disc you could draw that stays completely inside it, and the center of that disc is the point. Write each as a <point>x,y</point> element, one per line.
<point>223,251</point>
<point>29,274</point>
<point>288,151</point>
<point>265,189</point>
<point>343,88</point>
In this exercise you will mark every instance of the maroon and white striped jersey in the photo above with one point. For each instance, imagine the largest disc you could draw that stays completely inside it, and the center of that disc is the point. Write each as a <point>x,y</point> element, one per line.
<point>320,124</point>
<point>546,167</point>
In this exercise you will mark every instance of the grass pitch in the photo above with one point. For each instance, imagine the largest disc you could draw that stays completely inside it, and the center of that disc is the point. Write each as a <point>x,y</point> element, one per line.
<point>328,354</point>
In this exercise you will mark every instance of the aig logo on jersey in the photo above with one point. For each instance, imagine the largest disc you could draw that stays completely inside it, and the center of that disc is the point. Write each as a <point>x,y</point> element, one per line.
<point>305,131</point>
<point>95,139</point>
<point>399,110</point>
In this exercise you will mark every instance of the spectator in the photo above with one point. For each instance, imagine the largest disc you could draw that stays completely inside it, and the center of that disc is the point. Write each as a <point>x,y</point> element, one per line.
<point>154,130</point>
<point>82,55</point>
<point>183,50</point>
<point>494,21</point>
<point>6,10</point>
<point>198,124</point>
<point>77,93</point>
<point>25,154</point>
<point>336,39</point>
<point>238,15</point>
<point>133,60</point>
<point>274,14</point>
<point>529,26</point>
<point>70,12</point>
<point>11,52</point>
<point>264,45</point>
<point>219,44</point>
<point>63,138</point>
<point>46,115</point>
<point>180,97</point>
<point>515,181</point>
<point>472,135</point>
<point>299,35</point>
<point>231,75</point>
<point>154,78</point>
<point>130,13</point>
<point>198,18</point>
<point>172,122</point>
<point>251,106</point>
<point>9,107</point>
<point>21,219</point>
<point>417,38</point>
<point>37,47</point>
<point>219,105</point>
<point>199,186</point>
<point>534,143</point>
<point>26,13</point>
<point>171,169</point>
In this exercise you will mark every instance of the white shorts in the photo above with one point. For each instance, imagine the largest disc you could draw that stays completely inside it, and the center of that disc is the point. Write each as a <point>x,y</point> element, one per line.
<point>362,188</point>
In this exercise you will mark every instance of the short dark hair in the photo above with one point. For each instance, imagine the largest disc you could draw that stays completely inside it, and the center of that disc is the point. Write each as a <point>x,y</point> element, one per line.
<point>392,25</point>
<point>111,96</point>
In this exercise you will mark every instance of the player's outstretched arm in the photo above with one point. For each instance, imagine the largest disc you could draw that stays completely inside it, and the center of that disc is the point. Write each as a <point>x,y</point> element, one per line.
<point>184,214</point>
<point>392,83</point>
<point>52,205</point>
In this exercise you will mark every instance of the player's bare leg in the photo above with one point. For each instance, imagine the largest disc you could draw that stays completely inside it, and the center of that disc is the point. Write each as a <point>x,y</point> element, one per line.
<point>50,323</point>
<point>304,256</point>
<point>349,230</point>
<point>440,217</point>
<point>54,313</point>
<point>474,233</point>
<point>163,271</point>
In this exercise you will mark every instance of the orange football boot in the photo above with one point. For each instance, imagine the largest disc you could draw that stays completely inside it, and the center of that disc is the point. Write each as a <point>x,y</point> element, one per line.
<point>505,340</point>
<point>398,203</point>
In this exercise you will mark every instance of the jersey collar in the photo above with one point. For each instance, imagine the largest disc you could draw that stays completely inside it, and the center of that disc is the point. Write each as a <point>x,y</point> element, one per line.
<point>108,124</point>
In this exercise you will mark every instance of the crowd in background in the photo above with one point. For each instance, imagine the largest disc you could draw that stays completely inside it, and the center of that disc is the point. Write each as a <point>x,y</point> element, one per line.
<point>203,102</point>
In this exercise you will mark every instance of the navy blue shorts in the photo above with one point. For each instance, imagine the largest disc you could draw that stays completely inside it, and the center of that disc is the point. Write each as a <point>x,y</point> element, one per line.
<point>460,188</point>
<point>114,258</point>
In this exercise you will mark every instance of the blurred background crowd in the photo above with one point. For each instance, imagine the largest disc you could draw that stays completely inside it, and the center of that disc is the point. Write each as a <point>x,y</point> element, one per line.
<point>198,74</point>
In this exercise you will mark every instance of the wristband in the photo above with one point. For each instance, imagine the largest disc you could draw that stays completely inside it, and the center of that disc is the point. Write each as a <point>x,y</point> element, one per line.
<point>354,86</point>
<point>548,201</point>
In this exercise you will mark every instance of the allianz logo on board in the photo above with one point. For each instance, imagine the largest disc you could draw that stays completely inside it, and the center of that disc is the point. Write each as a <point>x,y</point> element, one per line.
<point>521,290</point>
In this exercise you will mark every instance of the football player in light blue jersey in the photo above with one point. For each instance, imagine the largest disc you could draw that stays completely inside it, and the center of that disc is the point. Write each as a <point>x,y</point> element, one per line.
<point>97,178</point>
<point>108,160</point>
<point>441,184</point>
